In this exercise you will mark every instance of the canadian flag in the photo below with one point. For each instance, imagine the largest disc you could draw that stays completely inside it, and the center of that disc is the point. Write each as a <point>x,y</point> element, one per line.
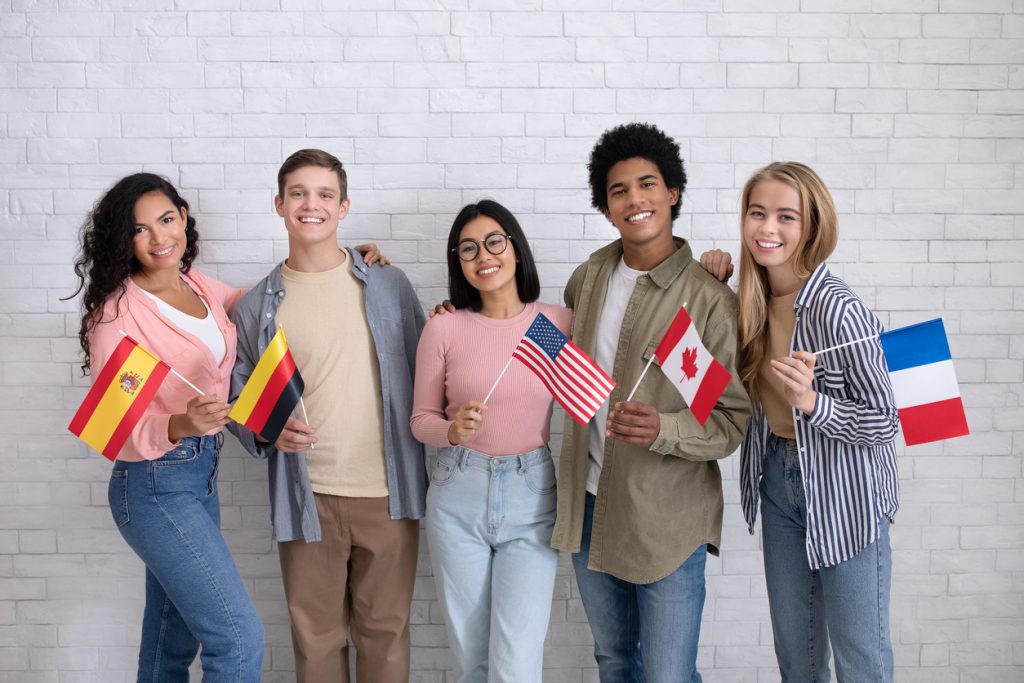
<point>694,372</point>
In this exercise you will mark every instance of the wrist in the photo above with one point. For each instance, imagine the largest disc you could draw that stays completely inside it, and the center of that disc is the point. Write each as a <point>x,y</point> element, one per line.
<point>453,438</point>
<point>808,404</point>
<point>176,428</point>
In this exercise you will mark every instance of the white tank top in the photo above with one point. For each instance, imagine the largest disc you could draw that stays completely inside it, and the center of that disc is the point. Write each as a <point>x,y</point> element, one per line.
<point>204,328</point>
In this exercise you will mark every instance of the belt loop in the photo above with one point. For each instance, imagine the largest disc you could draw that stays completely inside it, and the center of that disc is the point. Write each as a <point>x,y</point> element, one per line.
<point>463,459</point>
<point>522,464</point>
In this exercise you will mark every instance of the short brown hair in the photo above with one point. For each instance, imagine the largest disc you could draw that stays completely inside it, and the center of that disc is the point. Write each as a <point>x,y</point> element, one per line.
<point>312,157</point>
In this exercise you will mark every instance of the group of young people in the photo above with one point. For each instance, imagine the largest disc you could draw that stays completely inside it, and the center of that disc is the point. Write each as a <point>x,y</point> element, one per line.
<point>637,499</point>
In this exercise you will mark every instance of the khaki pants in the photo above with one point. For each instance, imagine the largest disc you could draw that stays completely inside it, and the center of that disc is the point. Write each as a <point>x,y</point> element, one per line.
<point>359,577</point>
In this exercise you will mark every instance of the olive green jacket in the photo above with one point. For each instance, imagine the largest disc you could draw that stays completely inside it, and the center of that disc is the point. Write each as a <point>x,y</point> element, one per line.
<point>654,505</point>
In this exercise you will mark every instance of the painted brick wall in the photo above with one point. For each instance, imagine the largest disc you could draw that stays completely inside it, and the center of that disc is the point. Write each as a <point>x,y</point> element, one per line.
<point>912,111</point>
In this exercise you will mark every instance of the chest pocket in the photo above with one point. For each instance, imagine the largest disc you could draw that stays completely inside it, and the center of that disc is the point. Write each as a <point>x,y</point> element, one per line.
<point>831,380</point>
<point>389,335</point>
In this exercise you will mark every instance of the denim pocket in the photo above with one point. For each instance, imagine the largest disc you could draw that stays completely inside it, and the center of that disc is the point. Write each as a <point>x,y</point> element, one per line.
<point>117,497</point>
<point>182,454</point>
<point>444,470</point>
<point>540,477</point>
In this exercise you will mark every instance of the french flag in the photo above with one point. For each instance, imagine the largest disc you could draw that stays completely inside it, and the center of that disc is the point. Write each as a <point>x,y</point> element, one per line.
<point>694,372</point>
<point>924,382</point>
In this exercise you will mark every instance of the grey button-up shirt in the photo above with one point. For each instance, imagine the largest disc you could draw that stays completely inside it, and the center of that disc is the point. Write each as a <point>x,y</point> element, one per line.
<point>396,320</point>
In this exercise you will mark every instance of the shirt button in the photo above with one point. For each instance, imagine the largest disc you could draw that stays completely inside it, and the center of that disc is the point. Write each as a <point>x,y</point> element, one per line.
<point>269,291</point>
<point>268,315</point>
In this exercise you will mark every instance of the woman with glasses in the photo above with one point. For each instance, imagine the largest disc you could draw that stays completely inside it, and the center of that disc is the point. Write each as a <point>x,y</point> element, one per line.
<point>491,501</point>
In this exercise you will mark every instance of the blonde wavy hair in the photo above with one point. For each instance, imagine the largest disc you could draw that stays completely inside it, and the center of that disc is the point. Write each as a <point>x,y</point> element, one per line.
<point>818,239</point>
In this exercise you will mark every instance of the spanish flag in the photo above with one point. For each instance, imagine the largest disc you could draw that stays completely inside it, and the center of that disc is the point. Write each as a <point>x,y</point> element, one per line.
<point>118,397</point>
<point>270,395</point>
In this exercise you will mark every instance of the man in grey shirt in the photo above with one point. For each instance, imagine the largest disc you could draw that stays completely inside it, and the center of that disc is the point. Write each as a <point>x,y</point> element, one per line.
<point>345,490</point>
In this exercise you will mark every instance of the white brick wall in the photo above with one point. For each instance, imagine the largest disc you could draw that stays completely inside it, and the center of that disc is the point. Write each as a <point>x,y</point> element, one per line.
<point>912,110</point>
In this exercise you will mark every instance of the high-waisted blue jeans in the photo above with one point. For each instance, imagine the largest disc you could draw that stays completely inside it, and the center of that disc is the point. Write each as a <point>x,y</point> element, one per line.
<point>489,523</point>
<point>847,604</point>
<point>169,513</point>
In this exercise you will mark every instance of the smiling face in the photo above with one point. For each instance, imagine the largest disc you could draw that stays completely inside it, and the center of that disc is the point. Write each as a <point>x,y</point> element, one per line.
<point>490,274</point>
<point>773,232</point>
<point>639,202</point>
<point>311,205</point>
<point>160,240</point>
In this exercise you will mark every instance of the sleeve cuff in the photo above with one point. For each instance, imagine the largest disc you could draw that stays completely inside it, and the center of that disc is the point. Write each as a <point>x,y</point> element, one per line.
<point>822,410</point>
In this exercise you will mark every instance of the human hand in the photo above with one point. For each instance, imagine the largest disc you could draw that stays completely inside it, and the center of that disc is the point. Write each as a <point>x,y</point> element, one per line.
<point>718,263</point>
<point>467,421</point>
<point>372,254</point>
<point>633,422</point>
<point>445,306</point>
<point>202,414</point>
<point>797,373</point>
<point>296,436</point>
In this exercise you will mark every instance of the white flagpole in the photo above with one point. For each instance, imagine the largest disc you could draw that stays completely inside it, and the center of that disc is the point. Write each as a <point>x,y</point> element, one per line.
<point>502,374</point>
<point>173,371</point>
<point>639,379</point>
<point>840,346</point>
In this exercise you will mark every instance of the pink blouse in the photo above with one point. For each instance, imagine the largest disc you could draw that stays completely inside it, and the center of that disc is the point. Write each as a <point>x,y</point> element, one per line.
<point>138,317</point>
<point>459,356</point>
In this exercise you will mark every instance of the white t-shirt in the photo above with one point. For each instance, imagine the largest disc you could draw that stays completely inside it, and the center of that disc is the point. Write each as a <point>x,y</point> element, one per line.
<point>204,328</point>
<point>621,283</point>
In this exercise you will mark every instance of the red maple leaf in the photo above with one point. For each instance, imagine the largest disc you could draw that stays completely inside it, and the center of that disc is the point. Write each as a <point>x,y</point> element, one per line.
<point>690,362</point>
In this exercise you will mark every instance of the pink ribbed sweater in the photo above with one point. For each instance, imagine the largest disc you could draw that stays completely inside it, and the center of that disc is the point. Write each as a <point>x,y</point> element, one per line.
<point>459,356</point>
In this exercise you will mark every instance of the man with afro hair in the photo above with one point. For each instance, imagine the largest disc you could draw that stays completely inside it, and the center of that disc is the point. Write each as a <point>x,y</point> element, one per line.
<point>639,489</point>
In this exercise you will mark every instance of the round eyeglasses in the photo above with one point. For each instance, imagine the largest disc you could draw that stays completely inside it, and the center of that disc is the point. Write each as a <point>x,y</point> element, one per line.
<point>495,243</point>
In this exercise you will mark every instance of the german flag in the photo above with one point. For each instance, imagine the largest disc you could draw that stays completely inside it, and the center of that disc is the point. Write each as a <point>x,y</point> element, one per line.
<point>118,397</point>
<point>273,390</point>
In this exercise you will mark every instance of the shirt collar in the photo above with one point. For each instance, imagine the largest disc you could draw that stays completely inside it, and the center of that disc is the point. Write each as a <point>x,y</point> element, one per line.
<point>813,285</point>
<point>665,273</point>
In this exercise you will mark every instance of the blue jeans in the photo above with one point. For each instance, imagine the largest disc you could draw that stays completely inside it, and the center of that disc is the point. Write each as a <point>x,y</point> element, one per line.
<point>643,633</point>
<point>489,523</point>
<point>847,604</point>
<point>168,511</point>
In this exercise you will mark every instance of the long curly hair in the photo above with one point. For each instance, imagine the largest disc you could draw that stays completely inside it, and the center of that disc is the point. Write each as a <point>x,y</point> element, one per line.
<point>820,234</point>
<point>106,258</point>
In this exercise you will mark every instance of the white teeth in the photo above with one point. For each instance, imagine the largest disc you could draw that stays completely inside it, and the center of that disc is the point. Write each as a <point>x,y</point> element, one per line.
<point>769,245</point>
<point>637,217</point>
<point>163,252</point>
<point>310,219</point>
<point>487,271</point>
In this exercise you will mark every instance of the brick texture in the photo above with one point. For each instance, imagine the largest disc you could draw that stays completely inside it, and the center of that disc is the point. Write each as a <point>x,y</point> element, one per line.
<point>912,111</point>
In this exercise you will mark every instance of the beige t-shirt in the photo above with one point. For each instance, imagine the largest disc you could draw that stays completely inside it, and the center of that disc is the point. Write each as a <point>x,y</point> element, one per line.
<point>771,391</point>
<point>324,319</point>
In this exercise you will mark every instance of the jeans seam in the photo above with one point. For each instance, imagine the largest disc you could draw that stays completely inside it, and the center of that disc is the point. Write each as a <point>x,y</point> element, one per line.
<point>216,586</point>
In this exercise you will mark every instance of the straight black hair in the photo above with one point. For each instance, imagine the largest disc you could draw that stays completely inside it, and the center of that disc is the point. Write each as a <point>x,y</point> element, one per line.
<point>460,292</point>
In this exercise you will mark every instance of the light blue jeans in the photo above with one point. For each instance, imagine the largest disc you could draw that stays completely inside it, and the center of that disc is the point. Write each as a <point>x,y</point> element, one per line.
<point>169,513</point>
<point>643,633</point>
<point>489,523</point>
<point>847,604</point>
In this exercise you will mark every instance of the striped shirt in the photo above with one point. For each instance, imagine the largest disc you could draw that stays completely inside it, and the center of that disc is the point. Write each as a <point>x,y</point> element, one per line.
<point>846,450</point>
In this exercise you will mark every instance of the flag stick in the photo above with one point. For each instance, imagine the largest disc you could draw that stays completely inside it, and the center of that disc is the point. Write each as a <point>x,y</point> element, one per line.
<point>502,374</point>
<point>840,346</point>
<point>639,379</point>
<point>174,372</point>
<point>305,416</point>
<point>646,368</point>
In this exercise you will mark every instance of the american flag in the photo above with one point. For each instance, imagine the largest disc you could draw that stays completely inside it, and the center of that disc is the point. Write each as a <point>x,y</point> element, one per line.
<point>573,378</point>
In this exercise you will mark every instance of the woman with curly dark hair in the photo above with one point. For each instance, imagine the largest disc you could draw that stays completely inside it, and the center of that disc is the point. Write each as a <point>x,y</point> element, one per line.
<point>138,246</point>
